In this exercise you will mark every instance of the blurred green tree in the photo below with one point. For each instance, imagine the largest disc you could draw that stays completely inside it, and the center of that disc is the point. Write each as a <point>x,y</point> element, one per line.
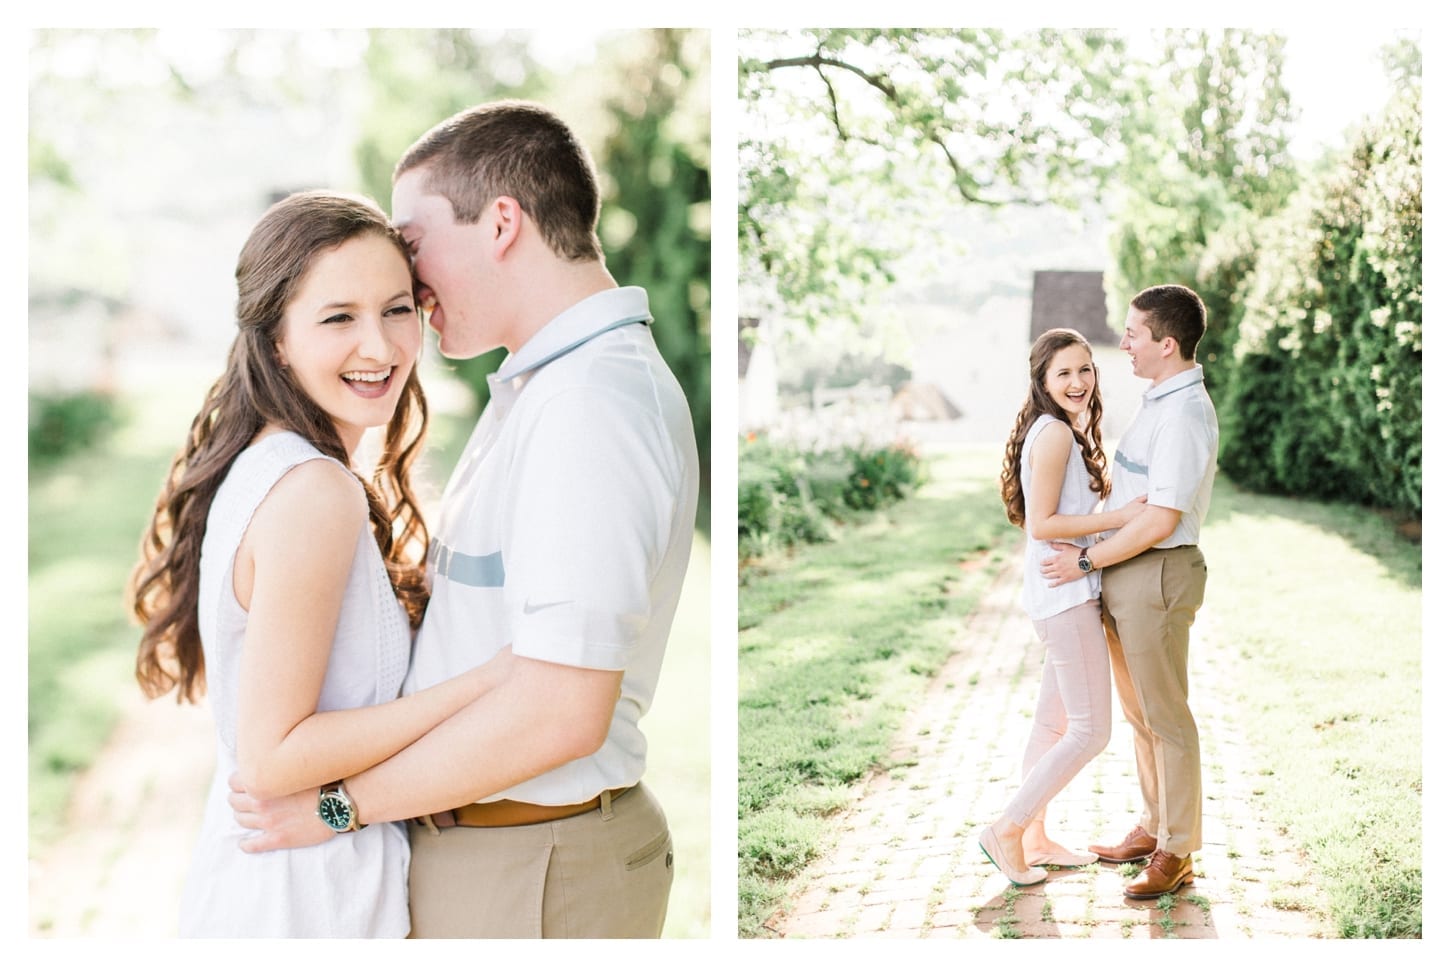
<point>1207,150</point>
<point>655,225</point>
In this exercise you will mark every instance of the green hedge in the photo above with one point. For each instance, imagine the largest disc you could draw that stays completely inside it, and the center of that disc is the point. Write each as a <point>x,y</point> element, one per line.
<point>1323,393</point>
<point>787,496</point>
<point>65,423</point>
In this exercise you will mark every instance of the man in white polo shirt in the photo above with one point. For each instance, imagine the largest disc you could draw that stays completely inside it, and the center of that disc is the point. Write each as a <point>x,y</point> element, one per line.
<point>564,535</point>
<point>1153,579</point>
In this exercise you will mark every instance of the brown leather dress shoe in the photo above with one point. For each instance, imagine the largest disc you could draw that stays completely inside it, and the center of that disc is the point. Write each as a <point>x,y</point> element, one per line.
<point>1163,874</point>
<point>1137,846</point>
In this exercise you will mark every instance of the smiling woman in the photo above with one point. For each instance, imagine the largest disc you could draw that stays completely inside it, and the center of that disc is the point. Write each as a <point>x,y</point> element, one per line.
<point>262,584</point>
<point>350,336</point>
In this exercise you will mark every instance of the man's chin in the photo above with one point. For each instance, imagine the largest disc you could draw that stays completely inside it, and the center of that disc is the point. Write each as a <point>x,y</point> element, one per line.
<point>447,350</point>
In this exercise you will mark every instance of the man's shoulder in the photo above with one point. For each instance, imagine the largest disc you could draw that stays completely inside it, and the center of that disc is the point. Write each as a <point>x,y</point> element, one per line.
<point>624,374</point>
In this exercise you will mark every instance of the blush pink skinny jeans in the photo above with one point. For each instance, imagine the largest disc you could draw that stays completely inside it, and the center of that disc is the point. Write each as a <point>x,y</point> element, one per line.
<point>1074,708</point>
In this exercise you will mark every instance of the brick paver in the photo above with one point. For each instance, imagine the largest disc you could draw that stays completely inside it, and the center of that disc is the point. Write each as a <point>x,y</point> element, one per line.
<point>905,860</point>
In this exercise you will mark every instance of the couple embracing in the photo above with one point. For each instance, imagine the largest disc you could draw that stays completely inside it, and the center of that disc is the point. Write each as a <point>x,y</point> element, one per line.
<point>415,737</point>
<point>1113,593</point>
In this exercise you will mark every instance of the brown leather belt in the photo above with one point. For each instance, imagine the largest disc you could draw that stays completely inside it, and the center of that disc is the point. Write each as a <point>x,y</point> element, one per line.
<point>510,812</point>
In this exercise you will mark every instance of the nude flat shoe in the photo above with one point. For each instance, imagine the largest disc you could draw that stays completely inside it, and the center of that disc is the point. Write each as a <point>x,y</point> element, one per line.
<point>1066,859</point>
<point>992,848</point>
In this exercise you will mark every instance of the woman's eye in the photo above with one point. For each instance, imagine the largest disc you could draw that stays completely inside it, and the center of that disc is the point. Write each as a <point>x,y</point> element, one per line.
<point>401,310</point>
<point>340,317</point>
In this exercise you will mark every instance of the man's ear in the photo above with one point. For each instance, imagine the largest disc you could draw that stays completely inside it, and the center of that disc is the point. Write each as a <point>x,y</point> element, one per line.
<point>505,220</point>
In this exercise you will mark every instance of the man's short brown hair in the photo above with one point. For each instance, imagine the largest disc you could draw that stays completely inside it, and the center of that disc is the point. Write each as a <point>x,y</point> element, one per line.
<point>1174,310</point>
<point>518,149</point>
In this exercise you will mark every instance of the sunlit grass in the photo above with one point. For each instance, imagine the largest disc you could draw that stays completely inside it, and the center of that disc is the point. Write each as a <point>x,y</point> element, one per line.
<point>836,641</point>
<point>86,518</point>
<point>1319,606</point>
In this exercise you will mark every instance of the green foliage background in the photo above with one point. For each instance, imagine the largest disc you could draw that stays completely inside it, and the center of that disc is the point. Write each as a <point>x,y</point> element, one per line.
<point>1313,280</point>
<point>1324,387</point>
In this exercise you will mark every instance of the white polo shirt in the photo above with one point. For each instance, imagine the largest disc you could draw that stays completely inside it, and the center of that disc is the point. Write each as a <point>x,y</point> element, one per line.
<point>1170,453</point>
<point>566,527</point>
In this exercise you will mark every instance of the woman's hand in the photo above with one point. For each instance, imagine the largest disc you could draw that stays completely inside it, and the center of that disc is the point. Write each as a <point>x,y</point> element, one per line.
<point>286,822</point>
<point>484,678</point>
<point>1130,510</point>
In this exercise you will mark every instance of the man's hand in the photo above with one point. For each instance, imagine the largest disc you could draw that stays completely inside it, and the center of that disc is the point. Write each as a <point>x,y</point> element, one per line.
<point>1062,567</point>
<point>283,823</point>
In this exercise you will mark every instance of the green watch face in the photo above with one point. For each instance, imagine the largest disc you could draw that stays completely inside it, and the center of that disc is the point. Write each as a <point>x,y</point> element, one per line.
<point>335,811</point>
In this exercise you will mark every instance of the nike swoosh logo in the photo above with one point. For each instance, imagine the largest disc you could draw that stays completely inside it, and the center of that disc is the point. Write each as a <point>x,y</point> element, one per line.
<point>535,608</point>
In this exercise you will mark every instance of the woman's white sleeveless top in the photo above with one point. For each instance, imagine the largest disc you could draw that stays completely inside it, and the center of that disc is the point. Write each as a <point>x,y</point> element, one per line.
<point>354,884</point>
<point>1039,600</point>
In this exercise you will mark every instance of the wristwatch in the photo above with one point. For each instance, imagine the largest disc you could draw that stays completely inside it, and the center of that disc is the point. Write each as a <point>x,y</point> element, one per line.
<point>1084,563</point>
<point>335,808</point>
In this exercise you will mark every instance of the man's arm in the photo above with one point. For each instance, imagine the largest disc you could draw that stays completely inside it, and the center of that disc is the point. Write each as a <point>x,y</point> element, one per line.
<point>542,716</point>
<point>1154,524</point>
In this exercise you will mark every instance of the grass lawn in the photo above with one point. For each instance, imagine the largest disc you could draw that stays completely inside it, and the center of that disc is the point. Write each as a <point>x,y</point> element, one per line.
<point>86,518</point>
<point>835,642</point>
<point>1321,605</point>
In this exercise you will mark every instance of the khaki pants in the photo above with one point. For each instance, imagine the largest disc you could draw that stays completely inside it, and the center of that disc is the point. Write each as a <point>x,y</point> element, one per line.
<point>1149,603</point>
<point>605,873</point>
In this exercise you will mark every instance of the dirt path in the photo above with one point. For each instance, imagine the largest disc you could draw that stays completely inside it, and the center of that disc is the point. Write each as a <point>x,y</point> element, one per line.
<point>117,871</point>
<point>906,862</point>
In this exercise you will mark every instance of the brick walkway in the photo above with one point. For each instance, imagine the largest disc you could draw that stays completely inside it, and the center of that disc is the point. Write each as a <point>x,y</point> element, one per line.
<point>906,862</point>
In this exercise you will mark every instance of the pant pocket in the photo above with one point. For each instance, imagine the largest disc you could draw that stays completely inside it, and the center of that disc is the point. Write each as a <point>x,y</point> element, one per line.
<point>647,853</point>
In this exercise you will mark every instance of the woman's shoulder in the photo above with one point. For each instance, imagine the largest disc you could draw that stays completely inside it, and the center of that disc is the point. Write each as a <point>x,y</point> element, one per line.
<point>1050,428</point>
<point>312,493</point>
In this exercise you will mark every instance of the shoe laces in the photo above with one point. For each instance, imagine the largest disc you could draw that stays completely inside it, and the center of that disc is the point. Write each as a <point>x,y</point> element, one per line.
<point>1164,862</point>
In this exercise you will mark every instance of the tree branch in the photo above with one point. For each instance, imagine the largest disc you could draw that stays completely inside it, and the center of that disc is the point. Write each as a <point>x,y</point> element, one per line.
<point>818,62</point>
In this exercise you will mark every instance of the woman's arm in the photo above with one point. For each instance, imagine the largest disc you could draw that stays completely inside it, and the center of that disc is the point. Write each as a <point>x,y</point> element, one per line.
<point>292,570</point>
<point>1048,459</point>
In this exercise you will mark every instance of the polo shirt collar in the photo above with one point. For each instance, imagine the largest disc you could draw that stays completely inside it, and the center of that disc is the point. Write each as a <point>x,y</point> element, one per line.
<point>577,325</point>
<point>1185,379</point>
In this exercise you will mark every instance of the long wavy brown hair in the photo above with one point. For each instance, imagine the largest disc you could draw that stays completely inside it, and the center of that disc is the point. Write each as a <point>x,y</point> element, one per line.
<point>1039,401</point>
<point>255,390</point>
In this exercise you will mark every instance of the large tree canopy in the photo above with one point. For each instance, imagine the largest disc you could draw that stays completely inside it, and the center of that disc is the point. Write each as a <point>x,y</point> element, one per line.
<point>850,139</point>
